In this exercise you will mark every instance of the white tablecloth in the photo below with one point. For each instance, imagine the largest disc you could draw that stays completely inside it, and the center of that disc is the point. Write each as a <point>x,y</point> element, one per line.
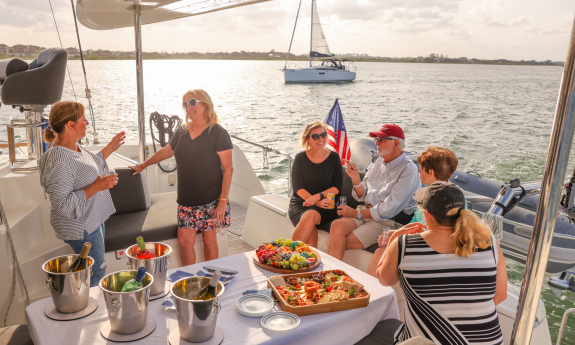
<point>342,327</point>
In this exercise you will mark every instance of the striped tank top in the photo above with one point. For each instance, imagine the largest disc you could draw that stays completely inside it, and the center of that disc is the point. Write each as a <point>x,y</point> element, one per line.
<point>449,299</point>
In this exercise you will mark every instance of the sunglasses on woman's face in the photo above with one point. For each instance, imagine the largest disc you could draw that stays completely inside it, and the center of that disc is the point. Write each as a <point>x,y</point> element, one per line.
<point>317,136</point>
<point>192,103</point>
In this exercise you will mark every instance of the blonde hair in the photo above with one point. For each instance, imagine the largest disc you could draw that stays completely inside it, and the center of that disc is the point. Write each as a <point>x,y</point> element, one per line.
<point>60,114</point>
<point>469,232</point>
<point>210,113</point>
<point>307,130</point>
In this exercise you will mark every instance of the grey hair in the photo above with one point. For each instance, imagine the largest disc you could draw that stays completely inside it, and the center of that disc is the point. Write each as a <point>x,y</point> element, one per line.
<point>401,142</point>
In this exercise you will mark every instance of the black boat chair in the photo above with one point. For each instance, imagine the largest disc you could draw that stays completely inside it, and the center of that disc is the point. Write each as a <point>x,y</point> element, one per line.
<point>15,335</point>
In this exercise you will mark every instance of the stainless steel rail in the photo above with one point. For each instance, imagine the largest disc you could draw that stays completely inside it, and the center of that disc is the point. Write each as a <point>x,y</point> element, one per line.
<point>140,81</point>
<point>528,227</point>
<point>268,149</point>
<point>551,188</point>
<point>563,324</point>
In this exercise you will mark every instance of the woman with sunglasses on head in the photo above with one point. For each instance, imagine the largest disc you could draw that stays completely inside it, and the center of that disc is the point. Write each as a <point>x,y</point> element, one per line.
<point>203,152</point>
<point>316,172</point>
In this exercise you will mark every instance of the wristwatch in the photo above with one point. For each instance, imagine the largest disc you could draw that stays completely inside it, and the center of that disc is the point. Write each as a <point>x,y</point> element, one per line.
<point>359,216</point>
<point>321,196</point>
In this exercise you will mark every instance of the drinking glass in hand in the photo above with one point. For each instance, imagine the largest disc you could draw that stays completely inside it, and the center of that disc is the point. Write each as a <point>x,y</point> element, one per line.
<point>109,171</point>
<point>219,227</point>
<point>342,201</point>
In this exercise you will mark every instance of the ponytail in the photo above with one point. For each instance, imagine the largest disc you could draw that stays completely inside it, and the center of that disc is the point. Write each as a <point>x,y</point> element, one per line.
<point>470,233</point>
<point>49,135</point>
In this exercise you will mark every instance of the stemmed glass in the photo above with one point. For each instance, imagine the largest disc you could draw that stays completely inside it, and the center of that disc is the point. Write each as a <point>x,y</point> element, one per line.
<point>219,227</point>
<point>342,201</point>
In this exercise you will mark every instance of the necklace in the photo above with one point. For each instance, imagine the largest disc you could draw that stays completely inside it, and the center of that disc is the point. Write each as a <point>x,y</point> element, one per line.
<point>68,146</point>
<point>194,129</point>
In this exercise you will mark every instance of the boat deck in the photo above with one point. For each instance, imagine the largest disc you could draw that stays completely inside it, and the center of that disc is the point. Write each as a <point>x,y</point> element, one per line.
<point>235,243</point>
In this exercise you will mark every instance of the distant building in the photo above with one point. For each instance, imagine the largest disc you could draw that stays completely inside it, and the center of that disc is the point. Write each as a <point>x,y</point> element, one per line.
<point>4,49</point>
<point>129,54</point>
<point>420,59</point>
<point>462,59</point>
<point>273,55</point>
<point>73,52</point>
<point>23,51</point>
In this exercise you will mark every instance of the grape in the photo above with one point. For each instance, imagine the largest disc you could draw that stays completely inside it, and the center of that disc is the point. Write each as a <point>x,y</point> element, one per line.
<point>288,243</point>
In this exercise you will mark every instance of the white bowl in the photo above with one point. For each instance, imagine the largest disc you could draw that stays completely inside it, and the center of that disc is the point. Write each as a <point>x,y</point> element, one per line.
<point>280,321</point>
<point>255,305</point>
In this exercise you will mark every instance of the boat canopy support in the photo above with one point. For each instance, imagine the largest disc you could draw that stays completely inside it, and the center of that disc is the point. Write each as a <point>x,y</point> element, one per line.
<point>552,185</point>
<point>140,82</point>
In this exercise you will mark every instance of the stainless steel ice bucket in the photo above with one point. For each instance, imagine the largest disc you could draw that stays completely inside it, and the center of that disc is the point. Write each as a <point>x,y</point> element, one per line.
<point>70,290</point>
<point>196,319</point>
<point>127,310</point>
<point>157,267</point>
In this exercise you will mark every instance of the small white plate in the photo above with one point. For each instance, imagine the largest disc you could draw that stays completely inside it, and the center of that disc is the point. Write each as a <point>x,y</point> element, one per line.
<point>280,321</point>
<point>255,305</point>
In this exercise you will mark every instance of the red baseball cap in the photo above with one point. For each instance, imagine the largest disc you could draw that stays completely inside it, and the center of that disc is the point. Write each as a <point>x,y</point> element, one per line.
<point>389,131</point>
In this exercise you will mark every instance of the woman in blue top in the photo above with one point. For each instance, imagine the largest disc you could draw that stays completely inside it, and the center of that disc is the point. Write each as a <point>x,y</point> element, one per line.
<point>435,164</point>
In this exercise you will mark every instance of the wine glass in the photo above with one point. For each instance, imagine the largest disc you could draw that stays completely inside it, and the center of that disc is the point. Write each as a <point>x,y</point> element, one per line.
<point>219,227</point>
<point>342,201</point>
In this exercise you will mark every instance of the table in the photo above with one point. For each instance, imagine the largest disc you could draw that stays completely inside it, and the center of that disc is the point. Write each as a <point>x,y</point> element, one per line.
<point>342,327</point>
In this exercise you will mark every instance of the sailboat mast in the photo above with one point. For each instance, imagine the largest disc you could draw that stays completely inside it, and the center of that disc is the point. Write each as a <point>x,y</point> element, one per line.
<point>311,34</point>
<point>293,33</point>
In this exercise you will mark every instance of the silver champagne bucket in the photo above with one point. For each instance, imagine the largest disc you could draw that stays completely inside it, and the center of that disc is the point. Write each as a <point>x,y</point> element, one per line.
<point>157,267</point>
<point>196,319</point>
<point>127,311</point>
<point>70,290</point>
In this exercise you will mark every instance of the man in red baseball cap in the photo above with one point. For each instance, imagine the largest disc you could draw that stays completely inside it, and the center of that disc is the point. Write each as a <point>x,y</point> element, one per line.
<point>387,190</point>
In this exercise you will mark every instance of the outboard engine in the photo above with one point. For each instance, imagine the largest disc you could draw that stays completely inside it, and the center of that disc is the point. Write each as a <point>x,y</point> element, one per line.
<point>509,196</point>
<point>31,88</point>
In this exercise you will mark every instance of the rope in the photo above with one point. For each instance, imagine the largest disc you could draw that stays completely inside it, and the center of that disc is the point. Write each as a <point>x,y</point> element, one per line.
<point>88,93</point>
<point>159,122</point>
<point>60,39</point>
<point>15,267</point>
<point>495,223</point>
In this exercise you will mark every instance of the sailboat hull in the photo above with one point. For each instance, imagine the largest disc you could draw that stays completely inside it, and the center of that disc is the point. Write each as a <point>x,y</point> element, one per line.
<point>317,75</point>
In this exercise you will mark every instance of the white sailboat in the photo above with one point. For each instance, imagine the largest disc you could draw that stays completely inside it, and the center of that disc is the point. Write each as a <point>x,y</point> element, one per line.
<point>331,69</point>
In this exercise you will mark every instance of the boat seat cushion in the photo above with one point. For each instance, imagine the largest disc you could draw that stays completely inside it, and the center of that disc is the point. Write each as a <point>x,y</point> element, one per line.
<point>15,335</point>
<point>157,223</point>
<point>11,66</point>
<point>382,333</point>
<point>129,195</point>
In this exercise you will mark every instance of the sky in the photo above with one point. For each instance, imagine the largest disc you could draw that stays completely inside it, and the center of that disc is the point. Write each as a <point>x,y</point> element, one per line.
<point>483,29</point>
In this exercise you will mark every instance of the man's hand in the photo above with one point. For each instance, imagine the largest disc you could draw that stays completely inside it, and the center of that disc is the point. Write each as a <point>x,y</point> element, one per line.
<point>347,212</point>
<point>353,172</point>
<point>311,200</point>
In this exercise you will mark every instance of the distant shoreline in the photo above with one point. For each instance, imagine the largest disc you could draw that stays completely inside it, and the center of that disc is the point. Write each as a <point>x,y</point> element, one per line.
<point>298,58</point>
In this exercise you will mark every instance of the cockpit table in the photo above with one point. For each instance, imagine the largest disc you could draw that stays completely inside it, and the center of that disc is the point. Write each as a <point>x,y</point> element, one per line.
<point>342,327</point>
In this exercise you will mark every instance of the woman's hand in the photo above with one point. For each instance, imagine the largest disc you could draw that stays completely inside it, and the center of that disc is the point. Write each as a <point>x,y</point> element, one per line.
<point>347,212</point>
<point>115,144</point>
<point>105,182</point>
<point>311,200</point>
<point>220,211</point>
<point>138,168</point>
<point>352,172</point>
<point>325,203</point>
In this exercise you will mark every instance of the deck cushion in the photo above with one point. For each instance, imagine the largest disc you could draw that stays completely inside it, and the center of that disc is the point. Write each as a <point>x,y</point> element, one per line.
<point>128,195</point>
<point>15,335</point>
<point>158,223</point>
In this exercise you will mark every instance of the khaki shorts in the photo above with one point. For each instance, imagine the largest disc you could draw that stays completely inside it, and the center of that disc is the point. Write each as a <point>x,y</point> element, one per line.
<point>368,230</point>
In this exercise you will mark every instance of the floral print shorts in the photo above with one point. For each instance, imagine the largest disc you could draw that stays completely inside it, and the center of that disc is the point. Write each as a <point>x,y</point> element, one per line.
<point>201,217</point>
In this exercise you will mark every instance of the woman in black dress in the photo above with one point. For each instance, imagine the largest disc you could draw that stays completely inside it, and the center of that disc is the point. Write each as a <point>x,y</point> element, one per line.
<point>316,172</point>
<point>203,152</point>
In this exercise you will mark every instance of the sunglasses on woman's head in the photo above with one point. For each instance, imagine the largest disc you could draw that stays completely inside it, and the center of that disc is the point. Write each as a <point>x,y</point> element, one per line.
<point>192,103</point>
<point>317,136</point>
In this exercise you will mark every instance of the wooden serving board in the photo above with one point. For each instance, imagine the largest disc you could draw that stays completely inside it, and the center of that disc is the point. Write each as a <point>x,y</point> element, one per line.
<point>329,307</point>
<point>286,271</point>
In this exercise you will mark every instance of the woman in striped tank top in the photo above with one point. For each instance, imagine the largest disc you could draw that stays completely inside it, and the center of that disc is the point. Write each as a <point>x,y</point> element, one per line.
<point>453,275</point>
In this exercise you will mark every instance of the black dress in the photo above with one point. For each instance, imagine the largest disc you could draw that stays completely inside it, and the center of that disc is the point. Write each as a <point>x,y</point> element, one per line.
<point>314,178</point>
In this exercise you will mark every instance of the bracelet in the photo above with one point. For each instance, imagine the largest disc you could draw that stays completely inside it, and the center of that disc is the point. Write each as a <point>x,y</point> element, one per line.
<point>222,199</point>
<point>359,185</point>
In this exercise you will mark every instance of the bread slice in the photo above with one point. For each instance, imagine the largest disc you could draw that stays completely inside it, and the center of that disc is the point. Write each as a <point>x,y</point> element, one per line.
<point>357,287</point>
<point>326,298</point>
<point>278,281</point>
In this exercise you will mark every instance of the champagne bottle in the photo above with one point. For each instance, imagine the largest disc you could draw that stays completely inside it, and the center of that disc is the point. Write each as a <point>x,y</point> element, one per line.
<point>212,289</point>
<point>143,253</point>
<point>82,261</point>
<point>135,284</point>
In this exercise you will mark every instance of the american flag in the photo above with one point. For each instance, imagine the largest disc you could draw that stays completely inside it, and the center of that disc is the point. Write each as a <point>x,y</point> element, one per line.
<point>336,133</point>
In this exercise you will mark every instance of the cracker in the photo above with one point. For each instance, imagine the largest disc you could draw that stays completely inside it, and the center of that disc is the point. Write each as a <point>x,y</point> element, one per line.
<point>278,281</point>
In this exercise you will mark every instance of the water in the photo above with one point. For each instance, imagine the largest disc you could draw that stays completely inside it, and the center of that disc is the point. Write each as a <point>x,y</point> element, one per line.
<point>498,117</point>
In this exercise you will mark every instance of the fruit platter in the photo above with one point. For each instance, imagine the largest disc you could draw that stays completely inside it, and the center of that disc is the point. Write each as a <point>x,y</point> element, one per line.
<point>318,292</point>
<point>286,256</point>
